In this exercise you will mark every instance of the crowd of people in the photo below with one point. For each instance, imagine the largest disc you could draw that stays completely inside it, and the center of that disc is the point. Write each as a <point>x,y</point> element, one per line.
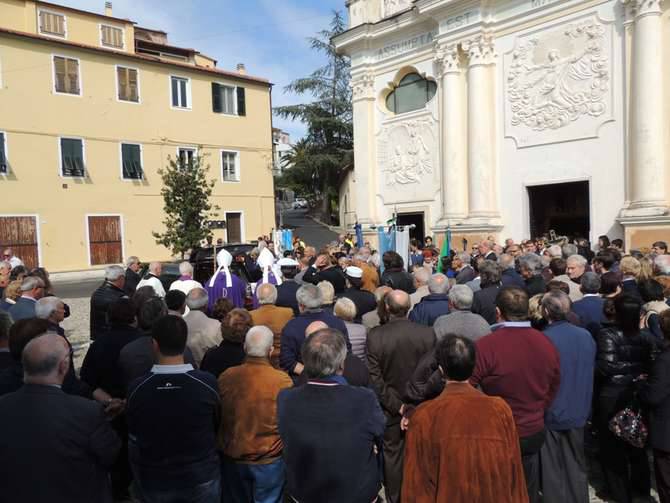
<point>340,375</point>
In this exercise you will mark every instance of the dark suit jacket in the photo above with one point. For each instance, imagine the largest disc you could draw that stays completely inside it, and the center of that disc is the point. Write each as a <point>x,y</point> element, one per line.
<point>101,299</point>
<point>590,313</point>
<point>132,279</point>
<point>466,274</point>
<point>364,301</point>
<point>286,295</point>
<point>512,278</point>
<point>656,395</point>
<point>535,285</point>
<point>24,308</point>
<point>60,446</point>
<point>484,303</point>
<point>394,351</point>
<point>629,286</point>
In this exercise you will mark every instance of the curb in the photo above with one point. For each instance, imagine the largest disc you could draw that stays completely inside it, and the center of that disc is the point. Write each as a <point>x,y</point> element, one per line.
<point>74,276</point>
<point>332,228</point>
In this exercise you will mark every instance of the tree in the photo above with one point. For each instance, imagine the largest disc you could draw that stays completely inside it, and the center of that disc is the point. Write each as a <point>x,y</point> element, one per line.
<point>318,160</point>
<point>186,194</point>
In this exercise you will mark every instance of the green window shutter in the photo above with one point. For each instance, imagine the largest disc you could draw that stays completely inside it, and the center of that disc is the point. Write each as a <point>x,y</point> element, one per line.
<point>217,105</point>
<point>132,161</point>
<point>241,102</point>
<point>3,157</point>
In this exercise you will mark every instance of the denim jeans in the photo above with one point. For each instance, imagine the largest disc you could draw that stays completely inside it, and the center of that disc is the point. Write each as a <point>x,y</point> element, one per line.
<point>253,483</point>
<point>209,492</point>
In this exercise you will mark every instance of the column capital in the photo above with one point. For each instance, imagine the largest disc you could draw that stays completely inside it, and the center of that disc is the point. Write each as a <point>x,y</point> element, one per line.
<point>480,50</point>
<point>640,8</point>
<point>363,86</point>
<point>447,58</point>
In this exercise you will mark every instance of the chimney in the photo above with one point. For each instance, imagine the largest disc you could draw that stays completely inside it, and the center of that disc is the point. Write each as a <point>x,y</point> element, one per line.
<point>241,69</point>
<point>108,9</point>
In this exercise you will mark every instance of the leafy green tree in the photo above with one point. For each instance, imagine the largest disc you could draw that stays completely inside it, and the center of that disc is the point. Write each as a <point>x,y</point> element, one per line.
<point>318,160</point>
<point>186,194</point>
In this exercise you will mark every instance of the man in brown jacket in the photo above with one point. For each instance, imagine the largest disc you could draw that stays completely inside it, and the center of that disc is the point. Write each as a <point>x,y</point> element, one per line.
<point>253,469</point>
<point>394,350</point>
<point>271,316</point>
<point>464,439</point>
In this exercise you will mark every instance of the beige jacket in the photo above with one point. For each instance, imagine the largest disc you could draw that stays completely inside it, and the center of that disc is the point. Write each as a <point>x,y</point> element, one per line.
<point>203,333</point>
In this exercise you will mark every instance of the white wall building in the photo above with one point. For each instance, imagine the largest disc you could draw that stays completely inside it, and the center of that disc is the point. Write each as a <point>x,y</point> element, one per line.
<point>512,117</point>
<point>281,146</point>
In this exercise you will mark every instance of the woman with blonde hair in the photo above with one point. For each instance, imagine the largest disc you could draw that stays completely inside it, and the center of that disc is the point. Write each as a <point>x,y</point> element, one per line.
<point>630,269</point>
<point>10,294</point>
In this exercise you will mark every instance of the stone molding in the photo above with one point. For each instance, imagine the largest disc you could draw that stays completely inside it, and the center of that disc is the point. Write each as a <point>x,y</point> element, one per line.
<point>640,8</point>
<point>480,50</point>
<point>447,59</point>
<point>363,87</point>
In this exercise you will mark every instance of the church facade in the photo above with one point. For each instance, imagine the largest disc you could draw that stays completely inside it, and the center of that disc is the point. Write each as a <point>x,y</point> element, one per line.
<point>512,117</point>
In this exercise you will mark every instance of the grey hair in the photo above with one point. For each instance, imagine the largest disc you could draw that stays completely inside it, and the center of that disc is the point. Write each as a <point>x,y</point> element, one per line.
<point>461,297</point>
<point>506,261</point>
<point>568,249</point>
<point>489,273</point>
<point>31,282</point>
<point>576,259</point>
<point>197,299</point>
<point>438,284</point>
<point>132,260</point>
<point>5,265</point>
<point>531,262</point>
<point>556,305</point>
<point>323,353</point>
<point>327,292</point>
<point>46,306</point>
<point>555,251</point>
<point>42,363</point>
<point>309,296</point>
<point>185,268</point>
<point>464,257</point>
<point>421,276</point>
<point>345,309</point>
<point>153,266</point>
<point>375,259</point>
<point>114,272</point>
<point>266,293</point>
<point>662,263</point>
<point>258,341</point>
<point>590,282</point>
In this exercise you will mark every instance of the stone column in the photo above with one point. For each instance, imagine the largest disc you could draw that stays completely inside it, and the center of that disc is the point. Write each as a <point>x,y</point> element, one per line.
<point>364,153</point>
<point>481,128</point>
<point>647,180</point>
<point>454,163</point>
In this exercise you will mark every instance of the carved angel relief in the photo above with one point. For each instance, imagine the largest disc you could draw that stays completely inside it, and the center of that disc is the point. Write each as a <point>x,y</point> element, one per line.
<point>407,152</point>
<point>549,87</point>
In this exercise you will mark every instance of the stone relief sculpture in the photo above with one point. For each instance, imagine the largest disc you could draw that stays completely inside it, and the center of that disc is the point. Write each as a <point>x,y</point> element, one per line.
<point>407,152</point>
<point>393,6</point>
<point>550,87</point>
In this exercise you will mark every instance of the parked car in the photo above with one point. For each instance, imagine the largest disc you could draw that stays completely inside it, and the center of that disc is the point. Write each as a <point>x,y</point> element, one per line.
<point>169,273</point>
<point>300,204</point>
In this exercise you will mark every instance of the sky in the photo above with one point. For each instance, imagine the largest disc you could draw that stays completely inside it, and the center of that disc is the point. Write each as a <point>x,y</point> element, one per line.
<point>268,36</point>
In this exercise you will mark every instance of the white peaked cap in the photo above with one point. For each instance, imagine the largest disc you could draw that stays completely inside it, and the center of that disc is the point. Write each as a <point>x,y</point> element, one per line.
<point>267,262</point>
<point>223,259</point>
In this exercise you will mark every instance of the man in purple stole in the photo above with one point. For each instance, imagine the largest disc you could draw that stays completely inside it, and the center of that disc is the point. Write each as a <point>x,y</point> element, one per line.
<point>224,284</point>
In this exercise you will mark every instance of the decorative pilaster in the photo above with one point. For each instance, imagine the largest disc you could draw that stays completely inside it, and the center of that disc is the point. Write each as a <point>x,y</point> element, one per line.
<point>646,192</point>
<point>363,89</point>
<point>454,164</point>
<point>481,128</point>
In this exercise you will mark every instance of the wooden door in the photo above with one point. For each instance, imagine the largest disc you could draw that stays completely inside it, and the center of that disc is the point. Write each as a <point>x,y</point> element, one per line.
<point>234,227</point>
<point>104,238</point>
<point>20,233</point>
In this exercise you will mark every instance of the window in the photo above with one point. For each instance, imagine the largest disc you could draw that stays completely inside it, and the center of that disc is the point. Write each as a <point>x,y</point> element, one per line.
<point>4,165</point>
<point>131,161</point>
<point>52,23</point>
<point>186,156</point>
<point>66,74</point>
<point>72,157</point>
<point>110,36</point>
<point>229,166</point>
<point>413,93</point>
<point>228,99</point>
<point>181,90</point>
<point>128,84</point>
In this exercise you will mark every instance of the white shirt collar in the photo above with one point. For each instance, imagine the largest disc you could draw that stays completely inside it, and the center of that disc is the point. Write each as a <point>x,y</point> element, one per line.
<point>171,369</point>
<point>591,295</point>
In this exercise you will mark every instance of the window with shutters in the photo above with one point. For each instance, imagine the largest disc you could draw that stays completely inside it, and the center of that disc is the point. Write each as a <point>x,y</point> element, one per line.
<point>181,92</point>
<point>72,162</point>
<point>131,161</point>
<point>4,164</point>
<point>228,100</point>
<point>66,75</point>
<point>127,84</point>
<point>230,168</point>
<point>186,156</point>
<point>52,23</point>
<point>111,36</point>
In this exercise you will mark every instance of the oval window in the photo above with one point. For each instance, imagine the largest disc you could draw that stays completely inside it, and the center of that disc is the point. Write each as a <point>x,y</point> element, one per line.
<point>412,93</point>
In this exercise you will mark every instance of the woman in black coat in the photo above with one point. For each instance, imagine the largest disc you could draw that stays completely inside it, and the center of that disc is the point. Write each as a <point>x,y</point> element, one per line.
<point>655,394</point>
<point>624,354</point>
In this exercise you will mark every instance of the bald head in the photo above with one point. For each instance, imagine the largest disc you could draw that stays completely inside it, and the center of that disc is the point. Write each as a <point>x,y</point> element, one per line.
<point>266,293</point>
<point>258,341</point>
<point>45,360</point>
<point>397,303</point>
<point>155,268</point>
<point>315,326</point>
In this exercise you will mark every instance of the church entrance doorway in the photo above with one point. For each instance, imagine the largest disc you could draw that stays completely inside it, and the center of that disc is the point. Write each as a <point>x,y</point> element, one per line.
<point>561,207</point>
<point>413,218</point>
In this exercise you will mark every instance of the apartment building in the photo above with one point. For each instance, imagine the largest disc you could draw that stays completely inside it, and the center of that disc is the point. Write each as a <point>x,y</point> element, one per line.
<point>91,108</point>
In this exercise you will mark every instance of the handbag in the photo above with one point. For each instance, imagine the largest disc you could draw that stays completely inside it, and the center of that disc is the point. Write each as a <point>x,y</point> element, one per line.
<point>628,425</point>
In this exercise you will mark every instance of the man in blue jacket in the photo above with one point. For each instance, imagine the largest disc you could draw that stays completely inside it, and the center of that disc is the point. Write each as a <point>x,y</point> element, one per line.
<point>433,305</point>
<point>590,307</point>
<point>562,459</point>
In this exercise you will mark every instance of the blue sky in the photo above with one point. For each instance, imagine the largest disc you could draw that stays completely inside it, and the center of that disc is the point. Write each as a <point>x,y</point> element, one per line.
<point>268,36</point>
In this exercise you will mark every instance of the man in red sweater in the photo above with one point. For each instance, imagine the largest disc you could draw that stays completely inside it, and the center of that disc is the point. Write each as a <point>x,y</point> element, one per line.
<point>520,365</point>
